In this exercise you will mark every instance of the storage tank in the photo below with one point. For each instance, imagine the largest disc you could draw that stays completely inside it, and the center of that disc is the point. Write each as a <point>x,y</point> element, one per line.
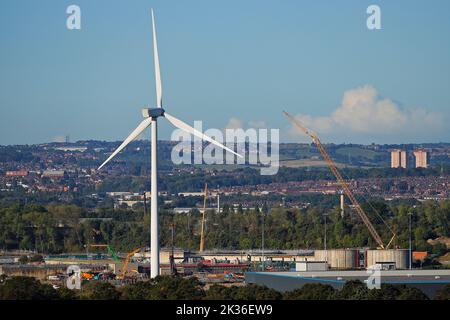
<point>399,256</point>
<point>337,258</point>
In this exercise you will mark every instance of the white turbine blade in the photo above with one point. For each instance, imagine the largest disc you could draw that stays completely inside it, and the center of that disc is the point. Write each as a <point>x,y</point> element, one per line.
<point>184,126</point>
<point>157,70</point>
<point>133,135</point>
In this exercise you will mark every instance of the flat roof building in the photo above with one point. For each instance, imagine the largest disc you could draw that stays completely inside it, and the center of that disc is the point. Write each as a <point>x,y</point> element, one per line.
<point>429,281</point>
<point>18,173</point>
<point>54,173</point>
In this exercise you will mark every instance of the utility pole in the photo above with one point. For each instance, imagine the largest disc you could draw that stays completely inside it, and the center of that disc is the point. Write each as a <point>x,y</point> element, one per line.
<point>325,240</point>
<point>218,199</point>
<point>410,213</point>
<point>172,254</point>
<point>218,202</point>
<point>145,203</point>
<point>262,242</point>
<point>202,232</point>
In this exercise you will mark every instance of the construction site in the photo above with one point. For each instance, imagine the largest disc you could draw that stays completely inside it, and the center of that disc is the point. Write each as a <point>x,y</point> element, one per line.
<point>282,270</point>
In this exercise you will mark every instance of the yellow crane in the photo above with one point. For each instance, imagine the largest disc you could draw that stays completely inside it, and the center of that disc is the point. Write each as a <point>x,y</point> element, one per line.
<point>202,234</point>
<point>342,182</point>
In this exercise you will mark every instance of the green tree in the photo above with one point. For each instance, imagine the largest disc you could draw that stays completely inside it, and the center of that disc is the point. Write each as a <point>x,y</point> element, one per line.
<point>386,292</point>
<point>26,288</point>
<point>175,288</point>
<point>137,291</point>
<point>254,292</point>
<point>67,294</point>
<point>311,291</point>
<point>443,293</point>
<point>217,292</point>
<point>96,290</point>
<point>411,293</point>
<point>353,290</point>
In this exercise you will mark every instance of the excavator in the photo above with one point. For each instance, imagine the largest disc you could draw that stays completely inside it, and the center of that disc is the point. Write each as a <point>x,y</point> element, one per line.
<point>342,183</point>
<point>127,260</point>
<point>110,250</point>
<point>116,258</point>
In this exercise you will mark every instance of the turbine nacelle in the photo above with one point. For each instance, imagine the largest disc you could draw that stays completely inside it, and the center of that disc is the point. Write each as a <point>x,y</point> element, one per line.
<point>153,112</point>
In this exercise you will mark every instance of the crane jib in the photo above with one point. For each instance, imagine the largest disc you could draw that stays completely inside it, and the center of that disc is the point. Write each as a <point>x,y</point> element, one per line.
<point>342,182</point>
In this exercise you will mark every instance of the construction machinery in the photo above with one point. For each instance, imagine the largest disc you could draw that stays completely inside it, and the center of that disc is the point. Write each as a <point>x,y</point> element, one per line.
<point>127,260</point>
<point>110,250</point>
<point>343,183</point>
<point>202,234</point>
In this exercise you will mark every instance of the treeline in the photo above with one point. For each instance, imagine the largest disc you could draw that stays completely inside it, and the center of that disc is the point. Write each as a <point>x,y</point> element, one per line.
<point>68,228</point>
<point>175,288</point>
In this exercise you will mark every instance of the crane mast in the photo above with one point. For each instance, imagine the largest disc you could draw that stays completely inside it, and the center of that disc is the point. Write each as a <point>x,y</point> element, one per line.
<point>341,181</point>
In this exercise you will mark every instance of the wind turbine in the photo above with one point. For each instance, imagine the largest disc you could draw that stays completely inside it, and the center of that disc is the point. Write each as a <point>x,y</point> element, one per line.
<point>151,116</point>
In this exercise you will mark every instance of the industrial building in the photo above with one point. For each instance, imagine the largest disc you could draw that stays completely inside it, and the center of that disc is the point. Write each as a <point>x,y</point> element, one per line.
<point>350,259</point>
<point>426,280</point>
<point>337,266</point>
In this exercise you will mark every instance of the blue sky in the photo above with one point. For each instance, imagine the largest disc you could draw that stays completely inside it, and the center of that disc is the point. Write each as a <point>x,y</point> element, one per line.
<point>226,62</point>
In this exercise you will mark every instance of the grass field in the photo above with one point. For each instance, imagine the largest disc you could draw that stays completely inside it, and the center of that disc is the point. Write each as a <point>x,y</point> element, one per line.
<point>359,152</point>
<point>300,163</point>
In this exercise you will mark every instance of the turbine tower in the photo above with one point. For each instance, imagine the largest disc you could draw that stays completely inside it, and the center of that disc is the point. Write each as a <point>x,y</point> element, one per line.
<point>151,116</point>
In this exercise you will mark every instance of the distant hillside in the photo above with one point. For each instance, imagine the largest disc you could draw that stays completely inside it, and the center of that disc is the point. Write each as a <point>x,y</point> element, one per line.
<point>291,154</point>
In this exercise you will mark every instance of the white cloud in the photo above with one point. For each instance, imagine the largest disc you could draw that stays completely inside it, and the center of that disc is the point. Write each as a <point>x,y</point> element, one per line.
<point>59,139</point>
<point>363,112</point>
<point>257,124</point>
<point>236,123</point>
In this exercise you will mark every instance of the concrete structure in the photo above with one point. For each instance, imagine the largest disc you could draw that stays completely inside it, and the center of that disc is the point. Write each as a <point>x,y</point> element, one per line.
<point>164,255</point>
<point>258,255</point>
<point>338,258</point>
<point>398,159</point>
<point>43,272</point>
<point>345,259</point>
<point>191,194</point>
<point>189,209</point>
<point>79,149</point>
<point>399,257</point>
<point>426,280</point>
<point>54,173</point>
<point>8,260</point>
<point>421,158</point>
<point>116,266</point>
<point>311,266</point>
